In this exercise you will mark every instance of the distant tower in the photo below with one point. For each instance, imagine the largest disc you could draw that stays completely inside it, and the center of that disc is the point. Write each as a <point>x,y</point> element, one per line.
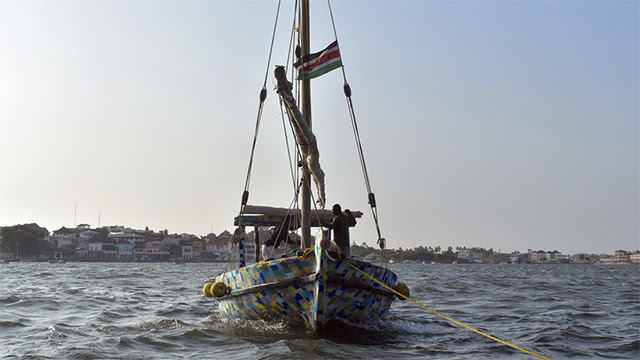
<point>99,214</point>
<point>75,213</point>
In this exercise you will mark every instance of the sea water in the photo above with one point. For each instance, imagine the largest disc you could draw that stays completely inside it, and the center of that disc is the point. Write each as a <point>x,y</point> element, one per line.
<point>157,311</point>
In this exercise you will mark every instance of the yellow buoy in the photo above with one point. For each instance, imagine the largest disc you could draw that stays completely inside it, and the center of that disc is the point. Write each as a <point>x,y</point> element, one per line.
<point>218,289</point>
<point>206,290</point>
<point>402,289</point>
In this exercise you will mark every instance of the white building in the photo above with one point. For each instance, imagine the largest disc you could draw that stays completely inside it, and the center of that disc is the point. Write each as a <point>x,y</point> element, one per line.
<point>64,241</point>
<point>87,234</point>
<point>125,250</point>
<point>126,236</point>
<point>219,248</point>
<point>96,244</point>
<point>187,252</point>
<point>84,237</point>
<point>138,250</point>
<point>464,253</point>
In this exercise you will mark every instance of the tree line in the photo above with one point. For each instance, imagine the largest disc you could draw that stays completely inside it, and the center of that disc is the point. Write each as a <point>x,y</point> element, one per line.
<point>420,253</point>
<point>20,239</point>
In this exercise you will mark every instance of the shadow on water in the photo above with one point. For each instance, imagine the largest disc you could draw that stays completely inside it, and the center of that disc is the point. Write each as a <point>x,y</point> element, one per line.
<point>369,332</point>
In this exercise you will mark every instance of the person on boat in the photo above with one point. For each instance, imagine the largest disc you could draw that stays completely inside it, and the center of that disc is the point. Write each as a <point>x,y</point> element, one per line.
<point>340,226</point>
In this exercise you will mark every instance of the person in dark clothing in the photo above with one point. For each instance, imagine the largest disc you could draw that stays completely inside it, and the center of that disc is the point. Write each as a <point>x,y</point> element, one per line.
<point>280,233</point>
<point>340,226</point>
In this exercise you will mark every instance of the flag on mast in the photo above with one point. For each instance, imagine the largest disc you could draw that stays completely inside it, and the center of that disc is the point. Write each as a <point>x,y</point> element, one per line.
<point>320,63</point>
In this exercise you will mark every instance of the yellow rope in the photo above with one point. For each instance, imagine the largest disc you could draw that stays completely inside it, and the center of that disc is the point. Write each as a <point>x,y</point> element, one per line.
<point>337,248</point>
<point>450,319</point>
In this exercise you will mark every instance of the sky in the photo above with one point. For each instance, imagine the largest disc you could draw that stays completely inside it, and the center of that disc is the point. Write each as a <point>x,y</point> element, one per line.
<point>509,125</point>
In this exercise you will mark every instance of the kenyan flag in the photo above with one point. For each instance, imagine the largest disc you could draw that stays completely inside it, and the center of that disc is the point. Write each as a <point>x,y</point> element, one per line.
<point>314,65</point>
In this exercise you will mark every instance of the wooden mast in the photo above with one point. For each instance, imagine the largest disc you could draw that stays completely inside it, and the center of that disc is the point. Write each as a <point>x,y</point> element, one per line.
<point>305,105</point>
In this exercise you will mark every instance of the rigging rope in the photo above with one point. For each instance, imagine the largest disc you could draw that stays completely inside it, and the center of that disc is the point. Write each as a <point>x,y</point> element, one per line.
<point>292,36</point>
<point>445,317</point>
<point>263,97</point>
<point>286,140</point>
<point>356,133</point>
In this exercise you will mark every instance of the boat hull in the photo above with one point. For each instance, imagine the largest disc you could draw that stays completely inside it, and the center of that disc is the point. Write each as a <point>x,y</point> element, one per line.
<point>307,292</point>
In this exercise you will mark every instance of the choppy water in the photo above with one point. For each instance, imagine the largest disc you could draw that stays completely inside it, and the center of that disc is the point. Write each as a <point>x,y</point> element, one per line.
<point>157,311</point>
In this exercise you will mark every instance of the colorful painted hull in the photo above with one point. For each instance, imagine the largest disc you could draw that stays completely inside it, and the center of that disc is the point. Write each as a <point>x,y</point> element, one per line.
<point>309,292</point>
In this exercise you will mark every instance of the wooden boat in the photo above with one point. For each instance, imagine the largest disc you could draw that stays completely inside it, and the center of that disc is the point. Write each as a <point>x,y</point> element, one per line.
<point>314,285</point>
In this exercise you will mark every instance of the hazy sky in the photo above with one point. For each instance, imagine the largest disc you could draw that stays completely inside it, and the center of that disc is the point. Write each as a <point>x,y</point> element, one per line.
<point>503,124</point>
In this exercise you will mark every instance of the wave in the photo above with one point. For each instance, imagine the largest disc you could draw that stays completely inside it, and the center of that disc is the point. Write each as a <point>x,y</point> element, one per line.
<point>148,311</point>
<point>44,274</point>
<point>18,323</point>
<point>10,300</point>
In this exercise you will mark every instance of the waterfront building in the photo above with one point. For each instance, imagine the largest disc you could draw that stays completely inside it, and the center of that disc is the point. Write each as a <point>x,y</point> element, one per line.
<point>171,240</point>
<point>125,250</point>
<point>539,256</point>
<point>464,253</point>
<point>63,241</point>
<point>154,250</point>
<point>138,250</point>
<point>199,247</point>
<point>219,248</point>
<point>110,252</point>
<point>621,256</point>
<point>126,236</point>
<point>187,252</point>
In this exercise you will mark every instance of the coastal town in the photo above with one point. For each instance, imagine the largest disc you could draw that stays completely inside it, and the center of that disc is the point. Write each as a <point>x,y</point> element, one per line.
<point>31,242</point>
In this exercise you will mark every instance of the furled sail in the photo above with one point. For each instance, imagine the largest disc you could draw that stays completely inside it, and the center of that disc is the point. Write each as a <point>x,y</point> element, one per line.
<point>304,136</point>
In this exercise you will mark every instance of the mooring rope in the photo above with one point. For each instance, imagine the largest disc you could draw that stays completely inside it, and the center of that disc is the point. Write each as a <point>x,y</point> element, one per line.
<point>448,318</point>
